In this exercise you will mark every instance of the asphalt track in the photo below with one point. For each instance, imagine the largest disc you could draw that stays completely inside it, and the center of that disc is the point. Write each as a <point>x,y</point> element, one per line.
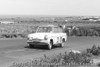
<point>14,49</point>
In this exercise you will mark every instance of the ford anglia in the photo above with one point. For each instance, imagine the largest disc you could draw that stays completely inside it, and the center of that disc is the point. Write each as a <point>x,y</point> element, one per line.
<point>49,35</point>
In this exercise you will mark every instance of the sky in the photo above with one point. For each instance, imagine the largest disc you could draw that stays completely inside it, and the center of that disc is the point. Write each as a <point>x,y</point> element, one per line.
<point>50,7</point>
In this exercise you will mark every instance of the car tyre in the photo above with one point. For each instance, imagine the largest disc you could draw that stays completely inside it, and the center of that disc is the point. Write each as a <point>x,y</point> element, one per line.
<point>50,45</point>
<point>63,43</point>
<point>30,45</point>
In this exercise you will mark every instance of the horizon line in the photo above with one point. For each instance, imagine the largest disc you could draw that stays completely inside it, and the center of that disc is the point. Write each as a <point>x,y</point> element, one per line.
<point>47,15</point>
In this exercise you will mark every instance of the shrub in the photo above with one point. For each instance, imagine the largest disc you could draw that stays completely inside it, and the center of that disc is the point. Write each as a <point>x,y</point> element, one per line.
<point>94,50</point>
<point>84,31</point>
<point>66,59</point>
<point>22,35</point>
<point>9,36</point>
<point>15,30</point>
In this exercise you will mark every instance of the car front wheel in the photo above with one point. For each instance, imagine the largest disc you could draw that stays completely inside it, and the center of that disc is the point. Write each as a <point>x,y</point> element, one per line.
<point>50,45</point>
<point>30,45</point>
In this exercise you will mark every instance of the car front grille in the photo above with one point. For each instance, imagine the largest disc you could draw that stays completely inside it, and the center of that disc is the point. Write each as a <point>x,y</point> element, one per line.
<point>36,39</point>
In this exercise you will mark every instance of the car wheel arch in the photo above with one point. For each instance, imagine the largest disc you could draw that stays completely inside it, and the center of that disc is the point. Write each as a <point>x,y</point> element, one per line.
<point>51,40</point>
<point>63,39</point>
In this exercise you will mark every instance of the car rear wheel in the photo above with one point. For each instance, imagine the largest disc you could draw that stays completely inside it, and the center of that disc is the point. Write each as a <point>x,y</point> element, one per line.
<point>50,45</point>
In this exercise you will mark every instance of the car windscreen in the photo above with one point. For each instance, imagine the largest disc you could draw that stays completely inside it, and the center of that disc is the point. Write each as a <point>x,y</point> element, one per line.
<point>44,29</point>
<point>57,30</point>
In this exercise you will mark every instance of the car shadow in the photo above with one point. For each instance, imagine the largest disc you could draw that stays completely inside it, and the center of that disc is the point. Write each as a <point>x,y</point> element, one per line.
<point>43,47</point>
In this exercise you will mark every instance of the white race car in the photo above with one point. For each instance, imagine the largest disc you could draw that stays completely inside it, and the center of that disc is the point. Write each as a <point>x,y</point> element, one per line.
<point>47,35</point>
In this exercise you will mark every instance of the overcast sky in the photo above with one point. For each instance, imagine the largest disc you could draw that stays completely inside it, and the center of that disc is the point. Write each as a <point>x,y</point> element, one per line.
<point>50,7</point>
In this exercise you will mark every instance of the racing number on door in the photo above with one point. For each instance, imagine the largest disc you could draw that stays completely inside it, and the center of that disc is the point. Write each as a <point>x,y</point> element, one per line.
<point>59,39</point>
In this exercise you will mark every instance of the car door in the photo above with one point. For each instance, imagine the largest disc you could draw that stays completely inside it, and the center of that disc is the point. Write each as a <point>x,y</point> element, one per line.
<point>60,34</point>
<point>57,34</point>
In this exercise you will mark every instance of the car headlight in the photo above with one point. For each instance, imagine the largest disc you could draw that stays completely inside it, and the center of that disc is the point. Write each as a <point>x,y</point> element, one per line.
<point>45,37</point>
<point>29,38</point>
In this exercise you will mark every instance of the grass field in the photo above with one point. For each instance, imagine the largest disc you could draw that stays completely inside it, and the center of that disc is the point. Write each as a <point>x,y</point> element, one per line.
<point>28,24</point>
<point>22,29</point>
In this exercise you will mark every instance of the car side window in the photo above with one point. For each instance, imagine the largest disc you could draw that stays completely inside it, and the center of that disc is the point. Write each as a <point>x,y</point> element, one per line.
<point>57,30</point>
<point>49,29</point>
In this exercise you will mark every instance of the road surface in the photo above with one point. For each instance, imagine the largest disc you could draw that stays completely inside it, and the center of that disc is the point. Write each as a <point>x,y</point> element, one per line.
<point>16,49</point>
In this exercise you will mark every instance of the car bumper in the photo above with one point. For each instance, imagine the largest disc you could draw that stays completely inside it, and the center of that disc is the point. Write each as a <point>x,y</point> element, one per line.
<point>42,42</point>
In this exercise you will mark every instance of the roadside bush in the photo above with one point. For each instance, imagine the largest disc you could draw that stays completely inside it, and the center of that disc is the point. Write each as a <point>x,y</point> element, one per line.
<point>94,50</point>
<point>9,36</point>
<point>13,35</point>
<point>66,59</point>
<point>16,30</point>
<point>83,31</point>
<point>22,35</point>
